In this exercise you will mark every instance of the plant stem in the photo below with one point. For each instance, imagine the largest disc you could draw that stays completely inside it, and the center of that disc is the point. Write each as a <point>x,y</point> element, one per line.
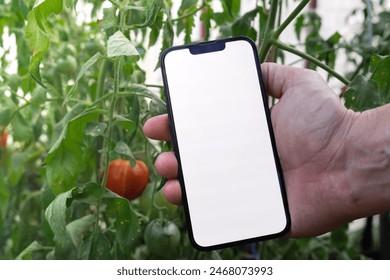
<point>153,97</point>
<point>272,16</point>
<point>102,98</point>
<point>111,112</point>
<point>115,4</point>
<point>311,59</point>
<point>99,100</point>
<point>101,79</point>
<point>268,34</point>
<point>190,13</point>
<point>25,105</point>
<point>290,18</point>
<point>273,34</point>
<point>369,32</point>
<point>114,98</point>
<point>154,86</point>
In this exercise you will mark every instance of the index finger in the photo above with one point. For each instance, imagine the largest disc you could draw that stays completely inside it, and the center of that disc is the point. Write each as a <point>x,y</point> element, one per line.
<point>158,128</point>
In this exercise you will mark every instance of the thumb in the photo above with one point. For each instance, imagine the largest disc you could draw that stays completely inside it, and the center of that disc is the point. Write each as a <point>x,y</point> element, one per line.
<point>277,78</point>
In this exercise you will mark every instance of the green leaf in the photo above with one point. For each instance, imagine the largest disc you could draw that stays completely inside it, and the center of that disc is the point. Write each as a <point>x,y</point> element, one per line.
<point>121,148</point>
<point>379,67</point>
<point>109,18</point>
<point>70,3</point>
<point>95,129</point>
<point>155,29</point>
<point>23,51</point>
<point>5,116</point>
<point>167,40</point>
<point>330,45</point>
<point>74,112</point>
<point>38,97</point>
<point>34,70</point>
<point>87,65</point>
<point>339,237</point>
<point>222,19</point>
<point>156,108</point>
<point>55,215</point>
<point>263,19</point>
<point>65,160</point>
<point>95,246</point>
<point>362,94</point>
<point>127,124</point>
<point>187,6</point>
<point>206,17</point>
<point>89,193</point>
<point>299,24</point>
<point>142,91</point>
<point>232,7</point>
<point>134,112</point>
<point>334,38</point>
<point>370,92</point>
<point>85,248</point>
<point>125,221</point>
<point>100,247</point>
<point>78,228</point>
<point>189,25</point>
<point>5,194</point>
<point>22,129</point>
<point>119,45</point>
<point>152,10</point>
<point>187,22</point>
<point>36,32</point>
<point>34,246</point>
<point>243,26</point>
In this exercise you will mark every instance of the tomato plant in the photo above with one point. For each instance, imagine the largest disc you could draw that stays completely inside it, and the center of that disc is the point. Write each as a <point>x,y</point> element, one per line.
<point>75,97</point>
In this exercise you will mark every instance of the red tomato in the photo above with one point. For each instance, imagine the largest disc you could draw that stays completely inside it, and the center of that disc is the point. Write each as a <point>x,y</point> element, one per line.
<point>4,137</point>
<point>127,181</point>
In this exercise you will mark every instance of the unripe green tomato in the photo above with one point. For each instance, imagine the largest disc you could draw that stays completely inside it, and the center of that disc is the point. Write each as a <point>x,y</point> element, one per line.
<point>14,81</point>
<point>49,75</point>
<point>92,47</point>
<point>138,77</point>
<point>162,237</point>
<point>67,65</point>
<point>70,49</point>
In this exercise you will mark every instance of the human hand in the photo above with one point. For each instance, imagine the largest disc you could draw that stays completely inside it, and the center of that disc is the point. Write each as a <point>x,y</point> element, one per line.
<point>311,127</point>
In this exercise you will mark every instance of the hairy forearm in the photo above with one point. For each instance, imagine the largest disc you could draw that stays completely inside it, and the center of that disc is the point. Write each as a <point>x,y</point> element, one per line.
<point>368,162</point>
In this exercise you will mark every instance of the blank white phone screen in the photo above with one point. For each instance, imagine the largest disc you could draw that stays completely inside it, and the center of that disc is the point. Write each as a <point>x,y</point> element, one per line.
<point>229,171</point>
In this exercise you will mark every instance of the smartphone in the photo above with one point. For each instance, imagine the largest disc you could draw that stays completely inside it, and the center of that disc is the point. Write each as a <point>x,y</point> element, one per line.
<point>229,170</point>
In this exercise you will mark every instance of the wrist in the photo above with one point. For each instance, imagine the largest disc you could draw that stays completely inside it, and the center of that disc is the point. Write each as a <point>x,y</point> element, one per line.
<point>368,162</point>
